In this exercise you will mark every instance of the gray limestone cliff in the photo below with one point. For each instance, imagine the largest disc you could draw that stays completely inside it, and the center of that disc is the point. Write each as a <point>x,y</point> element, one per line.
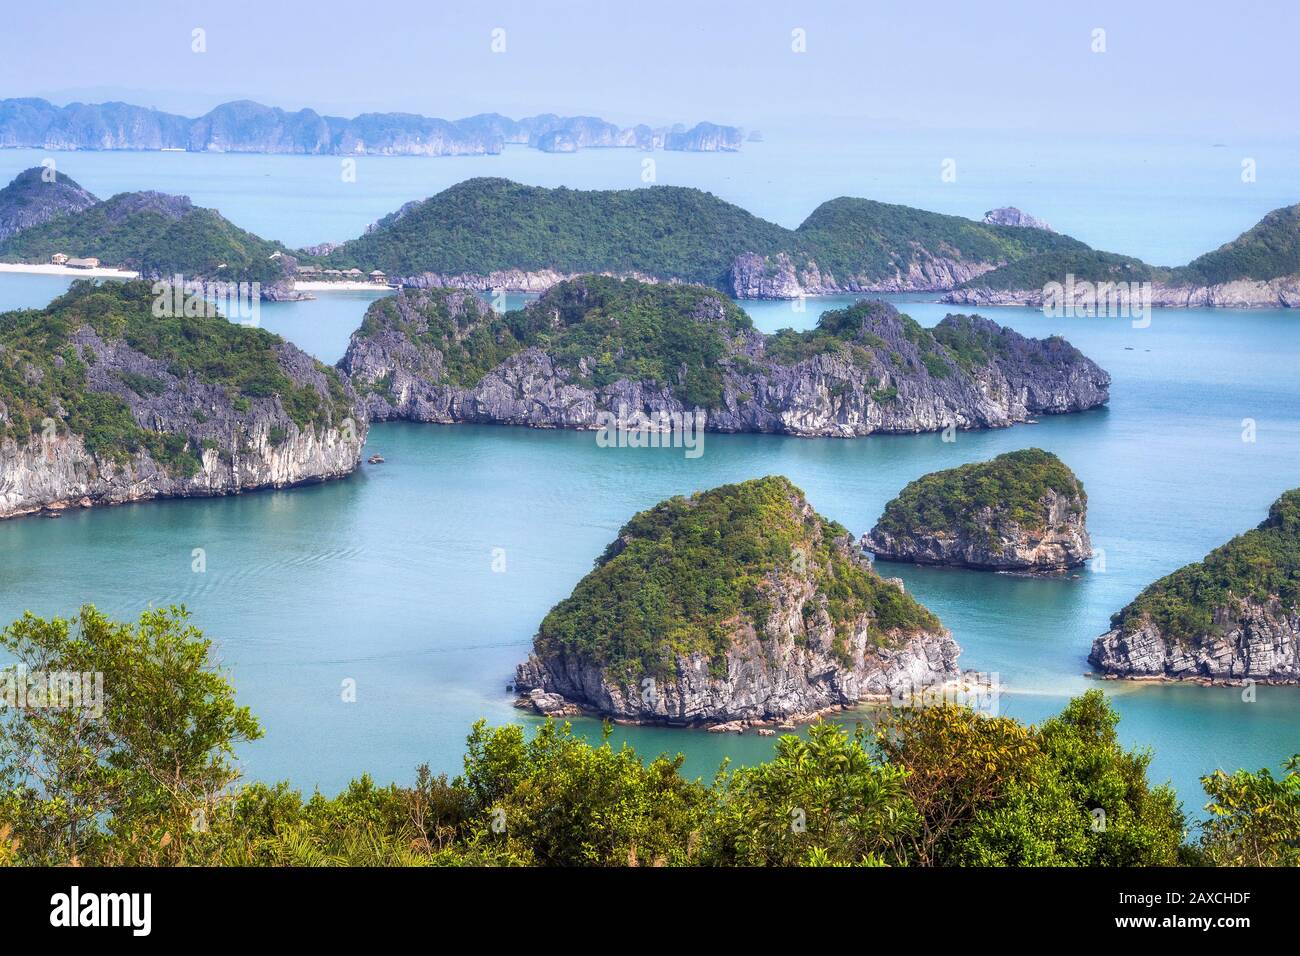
<point>1011,216</point>
<point>753,276</point>
<point>444,356</point>
<point>119,422</point>
<point>788,650</point>
<point>1231,617</point>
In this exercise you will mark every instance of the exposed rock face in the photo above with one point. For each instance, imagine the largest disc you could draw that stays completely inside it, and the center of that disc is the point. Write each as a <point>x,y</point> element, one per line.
<point>1024,511</point>
<point>1011,216</point>
<point>242,443</point>
<point>705,138</point>
<point>29,200</point>
<point>776,277</point>
<point>879,381</point>
<point>766,680</point>
<point>795,663</point>
<point>508,280</point>
<point>1281,293</point>
<point>1232,617</point>
<point>1252,641</point>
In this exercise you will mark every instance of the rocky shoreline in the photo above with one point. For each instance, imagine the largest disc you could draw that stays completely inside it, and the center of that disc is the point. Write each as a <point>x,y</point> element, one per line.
<point>1257,642</point>
<point>1283,293</point>
<point>186,435</point>
<point>1230,618</point>
<point>889,376</point>
<point>788,652</point>
<point>753,276</point>
<point>1023,512</point>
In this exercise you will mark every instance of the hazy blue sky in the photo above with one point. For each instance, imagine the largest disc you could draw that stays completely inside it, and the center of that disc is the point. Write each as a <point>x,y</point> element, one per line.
<point>1195,67</point>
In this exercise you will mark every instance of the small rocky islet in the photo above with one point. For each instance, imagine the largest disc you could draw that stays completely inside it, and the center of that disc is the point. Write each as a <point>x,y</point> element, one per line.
<point>734,606</point>
<point>1231,617</point>
<point>1023,511</point>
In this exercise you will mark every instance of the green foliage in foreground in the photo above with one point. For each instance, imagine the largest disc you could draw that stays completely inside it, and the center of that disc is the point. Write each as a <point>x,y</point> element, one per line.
<point>1259,565</point>
<point>43,375</point>
<point>686,575</point>
<point>1012,485</point>
<point>151,781</point>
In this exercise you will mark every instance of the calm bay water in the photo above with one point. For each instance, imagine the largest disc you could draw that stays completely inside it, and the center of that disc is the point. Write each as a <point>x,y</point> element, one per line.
<point>387,577</point>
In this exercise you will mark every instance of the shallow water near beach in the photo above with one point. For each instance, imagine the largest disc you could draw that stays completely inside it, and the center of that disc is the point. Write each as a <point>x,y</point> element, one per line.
<point>387,577</point>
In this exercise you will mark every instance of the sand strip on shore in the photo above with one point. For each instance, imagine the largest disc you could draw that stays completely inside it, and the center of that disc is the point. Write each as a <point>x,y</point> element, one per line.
<point>49,269</point>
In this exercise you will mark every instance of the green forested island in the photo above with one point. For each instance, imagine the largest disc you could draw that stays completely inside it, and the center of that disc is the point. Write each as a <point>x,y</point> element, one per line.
<point>739,603</point>
<point>1261,267</point>
<point>1021,511</point>
<point>1230,617</point>
<point>486,233</point>
<point>106,400</point>
<point>485,226</point>
<point>155,234</point>
<point>593,345</point>
<point>1267,250</point>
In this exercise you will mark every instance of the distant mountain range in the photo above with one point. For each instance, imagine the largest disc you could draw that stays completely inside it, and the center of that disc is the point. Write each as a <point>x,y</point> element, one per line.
<point>247,127</point>
<point>494,234</point>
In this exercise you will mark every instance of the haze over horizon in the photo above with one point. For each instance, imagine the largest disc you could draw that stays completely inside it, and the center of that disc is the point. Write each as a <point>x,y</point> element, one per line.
<point>1021,66</point>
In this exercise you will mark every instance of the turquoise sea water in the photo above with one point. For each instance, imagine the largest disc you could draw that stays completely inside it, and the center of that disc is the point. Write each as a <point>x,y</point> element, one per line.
<point>387,577</point>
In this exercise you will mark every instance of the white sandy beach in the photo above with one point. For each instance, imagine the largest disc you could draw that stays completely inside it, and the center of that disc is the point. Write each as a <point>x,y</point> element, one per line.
<point>48,269</point>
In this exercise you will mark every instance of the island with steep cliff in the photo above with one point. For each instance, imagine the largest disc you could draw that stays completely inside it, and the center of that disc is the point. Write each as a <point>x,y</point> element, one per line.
<point>737,604</point>
<point>1024,511</point>
<point>1231,617</point>
<point>103,402</point>
<point>596,346</point>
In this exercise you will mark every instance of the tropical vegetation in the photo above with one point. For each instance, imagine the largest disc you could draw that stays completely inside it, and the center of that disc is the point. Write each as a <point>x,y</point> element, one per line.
<point>1013,486</point>
<point>686,575</point>
<point>151,780</point>
<point>46,357</point>
<point>1262,565</point>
